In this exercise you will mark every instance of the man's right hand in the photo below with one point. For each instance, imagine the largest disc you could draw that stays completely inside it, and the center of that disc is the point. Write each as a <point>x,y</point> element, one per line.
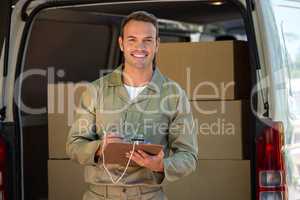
<point>109,138</point>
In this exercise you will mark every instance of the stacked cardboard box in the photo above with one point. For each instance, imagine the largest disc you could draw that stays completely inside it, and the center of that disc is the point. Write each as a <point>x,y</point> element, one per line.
<point>65,177</point>
<point>65,180</point>
<point>63,99</point>
<point>216,78</point>
<point>214,180</point>
<point>222,128</point>
<point>208,70</point>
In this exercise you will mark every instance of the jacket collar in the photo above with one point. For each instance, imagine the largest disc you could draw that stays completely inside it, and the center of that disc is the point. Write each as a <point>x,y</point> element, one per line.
<point>155,83</point>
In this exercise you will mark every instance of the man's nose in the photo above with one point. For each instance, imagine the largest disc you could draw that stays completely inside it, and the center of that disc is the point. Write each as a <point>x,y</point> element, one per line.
<point>140,45</point>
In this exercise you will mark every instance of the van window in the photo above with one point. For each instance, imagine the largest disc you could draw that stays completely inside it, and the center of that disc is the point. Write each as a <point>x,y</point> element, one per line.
<point>224,30</point>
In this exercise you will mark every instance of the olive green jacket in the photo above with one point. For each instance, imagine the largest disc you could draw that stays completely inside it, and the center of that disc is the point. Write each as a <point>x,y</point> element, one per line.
<point>161,114</point>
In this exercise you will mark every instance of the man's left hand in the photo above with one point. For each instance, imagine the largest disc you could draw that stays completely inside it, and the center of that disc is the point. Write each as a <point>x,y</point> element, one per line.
<point>154,163</point>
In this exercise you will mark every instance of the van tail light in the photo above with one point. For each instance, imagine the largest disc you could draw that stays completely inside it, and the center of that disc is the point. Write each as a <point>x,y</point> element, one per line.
<point>3,169</point>
<point>270,168</point>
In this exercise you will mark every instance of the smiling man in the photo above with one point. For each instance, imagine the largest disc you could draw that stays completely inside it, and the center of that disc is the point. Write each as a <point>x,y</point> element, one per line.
<point>134,101</point>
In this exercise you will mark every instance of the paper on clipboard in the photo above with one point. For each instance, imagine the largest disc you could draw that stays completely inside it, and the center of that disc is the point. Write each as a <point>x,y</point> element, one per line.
<point>115,153</point>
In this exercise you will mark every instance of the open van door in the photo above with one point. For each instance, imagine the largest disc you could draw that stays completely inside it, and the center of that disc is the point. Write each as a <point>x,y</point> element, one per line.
<point>277,34</point>
<point>9,188</point>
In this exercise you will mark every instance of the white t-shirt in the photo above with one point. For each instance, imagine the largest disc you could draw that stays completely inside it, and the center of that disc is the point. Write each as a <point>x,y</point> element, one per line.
<point>134,91</point>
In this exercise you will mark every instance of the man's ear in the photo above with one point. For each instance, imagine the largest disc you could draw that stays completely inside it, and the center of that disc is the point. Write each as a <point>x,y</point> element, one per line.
<point>120,39</point>
<point>157,44</point>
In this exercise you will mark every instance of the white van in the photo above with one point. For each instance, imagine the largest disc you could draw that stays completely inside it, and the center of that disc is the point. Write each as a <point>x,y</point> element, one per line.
<point>71,40</point>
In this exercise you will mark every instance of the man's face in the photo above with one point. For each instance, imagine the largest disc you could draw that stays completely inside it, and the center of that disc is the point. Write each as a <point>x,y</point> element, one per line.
<point>139,44</point>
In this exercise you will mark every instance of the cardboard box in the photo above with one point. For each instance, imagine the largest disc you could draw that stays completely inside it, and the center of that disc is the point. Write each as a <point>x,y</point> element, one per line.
<point>65,180</point>
<point>222,128</point>
<point>208,70</point>
<point>214,180</point>
<point>63,99</point>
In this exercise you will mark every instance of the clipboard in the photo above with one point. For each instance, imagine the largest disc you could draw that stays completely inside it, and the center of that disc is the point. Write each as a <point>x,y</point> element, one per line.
<point>115,153</point>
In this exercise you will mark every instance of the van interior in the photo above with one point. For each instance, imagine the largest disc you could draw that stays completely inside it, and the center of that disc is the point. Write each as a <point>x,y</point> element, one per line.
<point>72,43</point>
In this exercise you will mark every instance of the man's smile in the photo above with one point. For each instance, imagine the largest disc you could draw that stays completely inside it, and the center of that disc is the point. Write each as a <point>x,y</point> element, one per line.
<point>139,55</point>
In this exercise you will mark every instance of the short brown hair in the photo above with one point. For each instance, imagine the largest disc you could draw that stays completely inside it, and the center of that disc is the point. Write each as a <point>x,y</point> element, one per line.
<point>140,16</point>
